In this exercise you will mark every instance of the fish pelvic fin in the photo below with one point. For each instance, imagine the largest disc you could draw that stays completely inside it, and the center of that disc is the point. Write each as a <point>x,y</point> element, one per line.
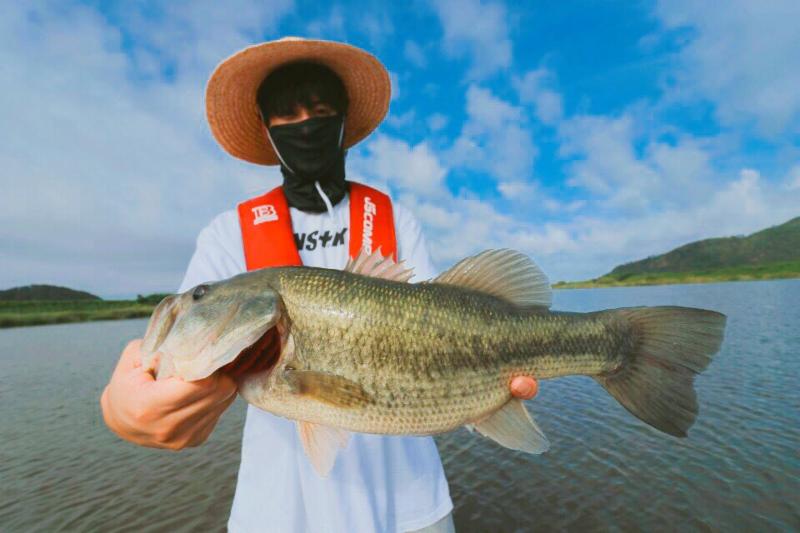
<point>673,345</point>
<point>513,427</point>
<point>322,445</point>
<point>506,274</point>
<point>375,265</point>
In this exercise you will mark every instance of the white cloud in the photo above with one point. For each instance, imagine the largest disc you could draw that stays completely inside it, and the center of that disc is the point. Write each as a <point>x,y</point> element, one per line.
<point>616,161</point>
<point>686,163</point>
<point>516,190</point>
<point>745,58</point>
<point>478,30</point>
<point>402,120</point>
<point>494,139</point>
<point>535,87</point>
<point>437,121</point>
<point>793,178</point>
<point>414,54</point>
<point>330,27</point>
<point>556,206</point>
<point>109,170</point>
<point>389,161</point>
<point>376,25</point>
<point>394,79</point>
<point>607,164</point>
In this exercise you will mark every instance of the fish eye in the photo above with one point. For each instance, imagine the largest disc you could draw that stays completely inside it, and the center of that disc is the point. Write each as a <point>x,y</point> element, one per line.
<point>199,292</point>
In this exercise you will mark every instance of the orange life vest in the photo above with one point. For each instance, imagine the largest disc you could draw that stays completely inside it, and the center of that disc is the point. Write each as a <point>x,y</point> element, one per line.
<point>267,227</point>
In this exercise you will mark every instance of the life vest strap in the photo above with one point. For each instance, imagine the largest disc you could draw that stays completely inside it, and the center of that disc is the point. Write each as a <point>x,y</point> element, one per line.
<point>268,239</point>
<point>267,231</point>
<point>371,222</point>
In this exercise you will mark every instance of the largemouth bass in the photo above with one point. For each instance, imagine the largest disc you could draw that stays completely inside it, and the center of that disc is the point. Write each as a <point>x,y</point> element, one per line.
<point>363,350</point>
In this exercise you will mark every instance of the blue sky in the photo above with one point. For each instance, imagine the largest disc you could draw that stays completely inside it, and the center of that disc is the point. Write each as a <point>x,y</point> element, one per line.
<point>585,134</point>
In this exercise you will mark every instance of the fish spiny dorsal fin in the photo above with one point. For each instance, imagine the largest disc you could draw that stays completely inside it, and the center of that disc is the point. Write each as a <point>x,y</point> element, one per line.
<point>375,265</point>
<point>507,274</point>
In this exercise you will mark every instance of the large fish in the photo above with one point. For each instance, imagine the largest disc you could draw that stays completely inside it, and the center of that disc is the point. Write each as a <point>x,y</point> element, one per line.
<point>363,350</point>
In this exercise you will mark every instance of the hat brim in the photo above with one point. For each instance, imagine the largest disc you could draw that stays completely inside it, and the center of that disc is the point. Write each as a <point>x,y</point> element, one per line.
<point>231,107</point>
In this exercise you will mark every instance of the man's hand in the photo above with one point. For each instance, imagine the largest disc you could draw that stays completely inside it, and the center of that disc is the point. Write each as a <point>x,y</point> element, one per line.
<point>524,387</point>
<point>169,413</point>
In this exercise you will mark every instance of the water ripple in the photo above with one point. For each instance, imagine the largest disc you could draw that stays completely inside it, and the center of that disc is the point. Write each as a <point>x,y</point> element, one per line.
<point>61,470</point>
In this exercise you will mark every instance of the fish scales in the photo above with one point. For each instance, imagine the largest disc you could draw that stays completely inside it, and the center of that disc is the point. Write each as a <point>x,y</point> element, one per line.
<point>431,356</point>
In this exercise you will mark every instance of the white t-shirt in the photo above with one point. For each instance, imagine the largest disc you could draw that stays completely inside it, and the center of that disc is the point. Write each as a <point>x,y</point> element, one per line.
<point>379,483</point>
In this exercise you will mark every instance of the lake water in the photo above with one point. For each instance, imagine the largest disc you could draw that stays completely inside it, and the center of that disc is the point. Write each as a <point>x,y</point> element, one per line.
<point>739,470</point>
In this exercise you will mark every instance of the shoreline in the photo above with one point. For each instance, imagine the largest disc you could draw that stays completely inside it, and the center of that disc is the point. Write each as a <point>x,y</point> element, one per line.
<point>688,278</point>
<point>43,313</point>
<point>25,314</point>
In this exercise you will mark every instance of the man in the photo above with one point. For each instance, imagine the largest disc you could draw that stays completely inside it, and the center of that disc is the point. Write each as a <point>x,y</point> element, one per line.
<point>301,104</point>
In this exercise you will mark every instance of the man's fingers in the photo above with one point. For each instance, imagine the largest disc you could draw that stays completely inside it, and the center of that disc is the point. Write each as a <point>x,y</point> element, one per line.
<point>200,394</point>
<point>524,387</point>
<point>192,425</point>
<point>131,356</point>
<point>226,385</point>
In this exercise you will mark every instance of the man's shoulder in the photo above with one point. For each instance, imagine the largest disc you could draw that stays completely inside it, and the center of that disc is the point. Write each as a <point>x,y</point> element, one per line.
<point>404,220</point>
<point>222,232</point>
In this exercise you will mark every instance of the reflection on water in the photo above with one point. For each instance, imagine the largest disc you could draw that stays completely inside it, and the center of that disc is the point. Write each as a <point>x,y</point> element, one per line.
<point>60,469</point>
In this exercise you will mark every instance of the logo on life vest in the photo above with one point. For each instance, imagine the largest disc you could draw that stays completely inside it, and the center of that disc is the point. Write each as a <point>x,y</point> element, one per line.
<point>370,209</point>
<point>264,213</point>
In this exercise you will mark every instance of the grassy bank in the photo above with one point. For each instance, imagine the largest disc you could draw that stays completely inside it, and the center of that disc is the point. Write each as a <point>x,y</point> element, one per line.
<point>32,313</point>
<point>781,270</point>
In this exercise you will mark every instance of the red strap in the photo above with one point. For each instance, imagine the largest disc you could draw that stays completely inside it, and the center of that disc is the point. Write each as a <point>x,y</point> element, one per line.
<point>268,239</point>
<point>267,232</point>
<point>371,221</point>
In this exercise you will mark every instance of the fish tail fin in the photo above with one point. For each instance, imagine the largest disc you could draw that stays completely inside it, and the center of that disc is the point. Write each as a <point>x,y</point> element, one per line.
<point>671,346</point>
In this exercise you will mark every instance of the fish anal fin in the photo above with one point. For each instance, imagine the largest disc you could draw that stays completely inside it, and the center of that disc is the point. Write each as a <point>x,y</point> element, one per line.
<point>375,265</point>
<point>328,388</point>
<point>321,444</point>
<point>513,427</point>
<point>506,274</point>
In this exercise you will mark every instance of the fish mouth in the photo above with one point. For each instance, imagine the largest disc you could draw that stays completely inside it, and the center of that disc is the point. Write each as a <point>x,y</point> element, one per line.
<point>261,356</point>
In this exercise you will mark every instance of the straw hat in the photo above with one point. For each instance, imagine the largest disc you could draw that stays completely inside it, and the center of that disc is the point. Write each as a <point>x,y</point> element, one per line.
<point>231,106</point>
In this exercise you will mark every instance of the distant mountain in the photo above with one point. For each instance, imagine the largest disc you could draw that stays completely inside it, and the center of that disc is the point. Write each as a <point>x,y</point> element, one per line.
<point>777,244</point>
<point>773,253</point>
<point>45,292</point>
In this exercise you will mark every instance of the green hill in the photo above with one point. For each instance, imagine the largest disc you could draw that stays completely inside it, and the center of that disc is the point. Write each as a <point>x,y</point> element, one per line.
<point>44,292</point>
<point>772,245</point>
<point>771,253</point>
<point>48,304</point>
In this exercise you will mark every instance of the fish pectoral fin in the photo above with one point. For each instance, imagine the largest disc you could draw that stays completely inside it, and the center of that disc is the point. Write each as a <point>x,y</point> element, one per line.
<point>329,388</point>
<point>322,444</point>
<point>375,265</point>
<point>513,427</point>
<point>506,274</point>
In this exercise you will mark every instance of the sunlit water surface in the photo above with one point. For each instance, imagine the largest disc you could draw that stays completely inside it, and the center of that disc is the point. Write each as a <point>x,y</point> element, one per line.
<point>60,469</point>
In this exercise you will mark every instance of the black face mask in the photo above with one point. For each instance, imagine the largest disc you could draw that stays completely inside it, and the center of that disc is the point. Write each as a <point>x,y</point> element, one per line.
<point>311,151</point>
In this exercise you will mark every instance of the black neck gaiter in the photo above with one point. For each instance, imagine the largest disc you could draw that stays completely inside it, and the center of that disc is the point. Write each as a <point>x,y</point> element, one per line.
<point>311,151</point>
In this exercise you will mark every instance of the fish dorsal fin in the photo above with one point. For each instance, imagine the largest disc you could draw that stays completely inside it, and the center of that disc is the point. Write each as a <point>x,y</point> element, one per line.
<point>507,274</point>
<point>513,427</point>
<point>321,444</point>
<point>375,265</point>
